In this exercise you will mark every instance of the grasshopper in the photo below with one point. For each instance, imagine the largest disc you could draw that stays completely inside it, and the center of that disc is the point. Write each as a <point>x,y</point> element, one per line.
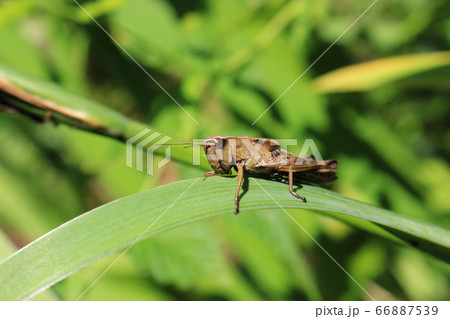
<point>262,157</point>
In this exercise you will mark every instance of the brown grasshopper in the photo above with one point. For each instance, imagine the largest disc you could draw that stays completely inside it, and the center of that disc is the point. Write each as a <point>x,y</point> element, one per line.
<point>263,157</point>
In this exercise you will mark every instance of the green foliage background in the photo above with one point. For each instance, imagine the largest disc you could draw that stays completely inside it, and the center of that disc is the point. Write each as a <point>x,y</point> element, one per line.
<point>226,62</point>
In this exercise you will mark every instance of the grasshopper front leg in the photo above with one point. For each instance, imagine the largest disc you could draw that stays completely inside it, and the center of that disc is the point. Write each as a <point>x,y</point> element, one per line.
<point>209,174</point>
<point>240,177</point>
<point>291,185</point>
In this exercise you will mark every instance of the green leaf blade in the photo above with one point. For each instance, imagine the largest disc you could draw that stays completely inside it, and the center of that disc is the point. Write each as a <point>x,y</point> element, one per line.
<point>119,224</point>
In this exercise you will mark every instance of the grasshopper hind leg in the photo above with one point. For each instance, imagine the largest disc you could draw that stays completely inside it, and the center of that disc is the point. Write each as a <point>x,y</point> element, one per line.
<point>291,185</point>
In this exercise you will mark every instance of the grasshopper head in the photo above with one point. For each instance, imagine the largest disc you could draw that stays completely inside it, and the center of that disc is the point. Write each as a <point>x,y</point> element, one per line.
<point>217,153</point>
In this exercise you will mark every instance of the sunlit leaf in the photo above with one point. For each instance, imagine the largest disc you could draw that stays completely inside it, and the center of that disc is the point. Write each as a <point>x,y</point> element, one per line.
<point>369,75</point>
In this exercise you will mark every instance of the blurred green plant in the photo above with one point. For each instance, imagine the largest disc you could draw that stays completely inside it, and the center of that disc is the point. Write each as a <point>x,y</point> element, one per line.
<point>226,62</point>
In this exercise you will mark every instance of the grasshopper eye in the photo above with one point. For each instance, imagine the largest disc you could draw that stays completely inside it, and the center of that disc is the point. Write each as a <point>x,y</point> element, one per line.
<point>211,142</point>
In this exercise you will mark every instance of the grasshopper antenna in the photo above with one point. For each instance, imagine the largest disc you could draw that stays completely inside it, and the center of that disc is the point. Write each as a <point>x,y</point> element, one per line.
<point>186,143</point>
